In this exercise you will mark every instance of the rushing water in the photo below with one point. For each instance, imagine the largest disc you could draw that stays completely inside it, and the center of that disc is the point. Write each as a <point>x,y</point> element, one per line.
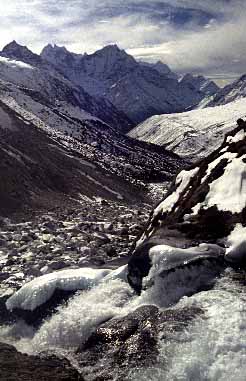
<point>211,348</point>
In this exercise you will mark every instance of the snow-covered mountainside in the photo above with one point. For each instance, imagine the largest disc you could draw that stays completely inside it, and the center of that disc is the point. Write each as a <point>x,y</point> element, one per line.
<point>200,83</point>
<point>138,89</point>
<point>234,91</point>
<point>62,152</point>
<point>20,66</point>
<point>202,218</point>
<point>94,72</point>
<point>161,68</point>
<point>192,134</point>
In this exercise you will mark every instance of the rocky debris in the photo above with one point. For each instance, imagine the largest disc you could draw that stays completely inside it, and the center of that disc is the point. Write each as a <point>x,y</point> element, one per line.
<point>130,342</point>
<point>21,367</point>
<point>204,206</point>
<point>88,236</point>
<point>44,167</point>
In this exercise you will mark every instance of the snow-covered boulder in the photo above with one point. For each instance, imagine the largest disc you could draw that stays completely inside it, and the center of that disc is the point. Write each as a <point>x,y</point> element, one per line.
<point>206,205</point>
<point>36,299</point>
<point>38,291</point>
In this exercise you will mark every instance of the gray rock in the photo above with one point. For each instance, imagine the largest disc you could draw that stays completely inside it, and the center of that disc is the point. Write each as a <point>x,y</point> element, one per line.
<point>19,366</point>
<point>86,251</point>
<point>57,265</point>
<point>130,342</point>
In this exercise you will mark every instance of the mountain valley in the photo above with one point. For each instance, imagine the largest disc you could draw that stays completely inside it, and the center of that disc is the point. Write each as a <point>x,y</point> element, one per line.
<point>122,219</point>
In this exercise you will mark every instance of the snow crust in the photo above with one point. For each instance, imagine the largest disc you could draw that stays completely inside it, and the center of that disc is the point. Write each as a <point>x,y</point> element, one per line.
<point>228,192</point>
<point>182,181</point>
<point>164,257</point>
<point>227,155</point>
<point>39,290</point>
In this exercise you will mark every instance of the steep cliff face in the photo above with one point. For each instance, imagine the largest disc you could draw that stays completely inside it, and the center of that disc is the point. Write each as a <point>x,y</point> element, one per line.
<point>206,206</point>
<point>138,89</point>
<point>22,67</point>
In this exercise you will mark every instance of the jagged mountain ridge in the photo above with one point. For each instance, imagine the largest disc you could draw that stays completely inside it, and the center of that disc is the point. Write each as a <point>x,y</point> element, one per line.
<point>200,83</point>
<point>234,91</point>
<point>41,76</point>
<point>139,90</point>
<point>161,68</point>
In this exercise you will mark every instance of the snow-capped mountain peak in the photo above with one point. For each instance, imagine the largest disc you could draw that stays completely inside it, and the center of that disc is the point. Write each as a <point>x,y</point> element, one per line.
<point>58,54</point>
<point>138,89</point>
<point>163,68</point>
<point>234,91</point>
<point>19,52</point>
<point>199,83</point>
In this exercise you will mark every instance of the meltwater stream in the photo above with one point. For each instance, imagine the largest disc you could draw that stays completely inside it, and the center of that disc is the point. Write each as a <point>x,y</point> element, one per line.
<point>212,348</point>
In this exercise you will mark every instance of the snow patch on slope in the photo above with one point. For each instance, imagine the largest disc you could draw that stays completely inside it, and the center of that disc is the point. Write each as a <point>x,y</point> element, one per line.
<point>182,181</point>
<point>192,134</point>
<point>228,192</point>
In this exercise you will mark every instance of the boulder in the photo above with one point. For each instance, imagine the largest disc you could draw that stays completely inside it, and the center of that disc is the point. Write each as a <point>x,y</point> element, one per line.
<point>204,205</point>
<point>130,342</point>
<point>21,367</point>
<point>39,314</point>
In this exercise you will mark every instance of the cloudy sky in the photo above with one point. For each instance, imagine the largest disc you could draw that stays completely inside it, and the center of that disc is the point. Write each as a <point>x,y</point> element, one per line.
<point>202,36</point>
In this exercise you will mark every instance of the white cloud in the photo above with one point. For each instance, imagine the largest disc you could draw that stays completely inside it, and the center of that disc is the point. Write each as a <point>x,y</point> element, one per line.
<point>87,25</point>
<point>215,49</point>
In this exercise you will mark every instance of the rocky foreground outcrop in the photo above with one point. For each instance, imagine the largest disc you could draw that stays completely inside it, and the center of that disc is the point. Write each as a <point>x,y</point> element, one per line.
<point>205,206</point>
<point>131,342</point>
<point>18,366</point>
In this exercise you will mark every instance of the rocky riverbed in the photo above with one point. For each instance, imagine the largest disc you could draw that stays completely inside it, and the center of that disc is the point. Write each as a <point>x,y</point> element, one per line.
<point>93,234</point>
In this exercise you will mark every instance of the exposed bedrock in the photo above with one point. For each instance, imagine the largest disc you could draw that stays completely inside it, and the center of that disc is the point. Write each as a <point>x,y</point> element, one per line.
<point>21,367</point>
<point>203,217</point>
<point>126,344</point>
